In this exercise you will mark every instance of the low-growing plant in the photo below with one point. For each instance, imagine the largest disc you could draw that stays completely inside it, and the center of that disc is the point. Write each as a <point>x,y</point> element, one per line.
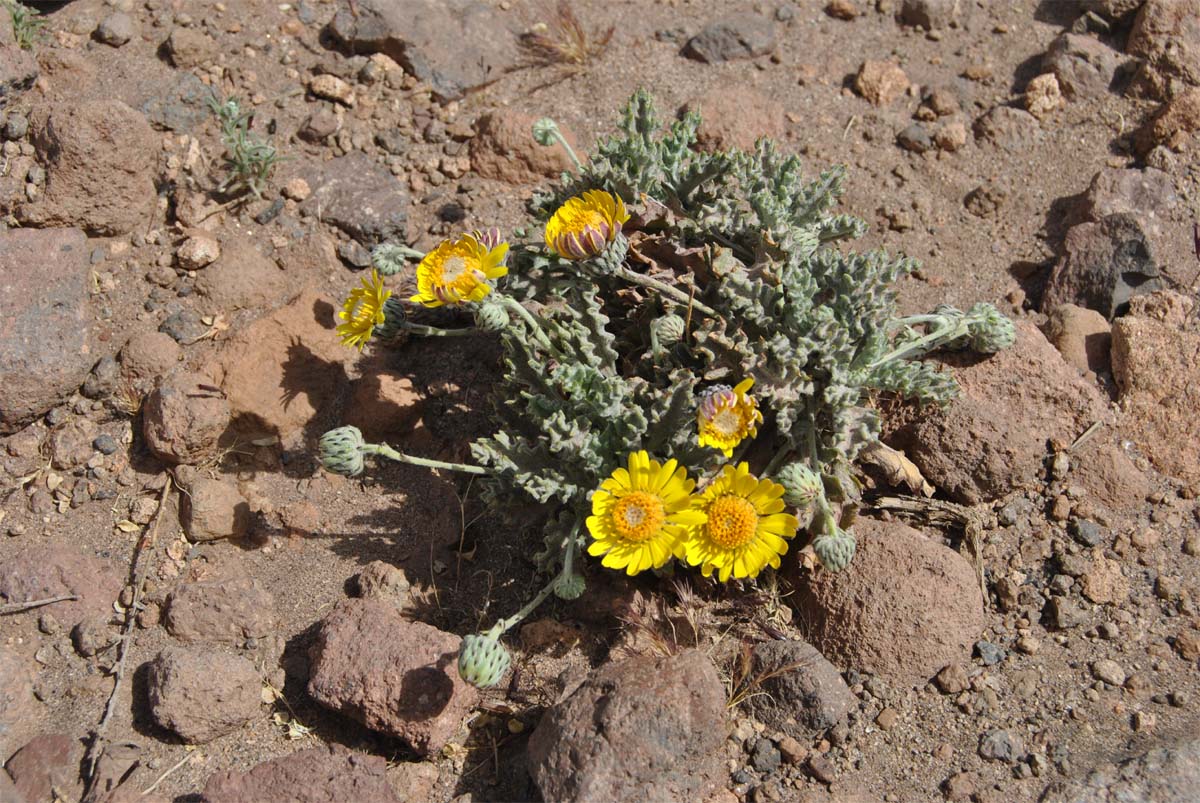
<point>689,360</point>
<point>27,24</point>
<point>249,160</point>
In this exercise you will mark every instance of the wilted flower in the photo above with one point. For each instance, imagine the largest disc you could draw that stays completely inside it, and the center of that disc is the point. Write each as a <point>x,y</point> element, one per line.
<point>584,226</point>
<point>726,416</point>
<point>458,270</point>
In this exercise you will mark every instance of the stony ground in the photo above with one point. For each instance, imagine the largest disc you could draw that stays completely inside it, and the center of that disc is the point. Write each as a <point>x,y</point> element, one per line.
<point>1030,632</point>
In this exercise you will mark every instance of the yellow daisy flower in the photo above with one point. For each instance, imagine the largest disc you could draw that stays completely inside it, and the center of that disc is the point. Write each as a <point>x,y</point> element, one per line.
<point>458,270</point>
<point>585,225</point>
<point>745,527</point>
<point>362,311</point>
<point>640,514</point>
<point>727,415</point>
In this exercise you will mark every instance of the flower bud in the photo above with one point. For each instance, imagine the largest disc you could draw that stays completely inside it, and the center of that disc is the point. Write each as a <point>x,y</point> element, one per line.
<point>482,660</point>
<point>609,261</point>
<point>668,329</point>
<point>491,316</point>
<point>341,451</point>
<point>394,318</point>
<point>544,131</point>
<point>990,330</point>
<point>835,551</point>
<point>388,259</point>
<point>801,485</point>
<point>569,587</point>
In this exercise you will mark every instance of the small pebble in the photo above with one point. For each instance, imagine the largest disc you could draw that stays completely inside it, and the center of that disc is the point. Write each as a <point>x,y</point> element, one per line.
<point>1108,671</point>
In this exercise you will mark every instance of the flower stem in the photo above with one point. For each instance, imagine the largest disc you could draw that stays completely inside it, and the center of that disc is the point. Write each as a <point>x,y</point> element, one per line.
<point>943,334</point>
<point>530,321</point>
<point>386,451</point>
<point>503,625</point>
<point>410,252</point>
<point>566,146</point>
<point>671,292</point>
<point>434,331</point>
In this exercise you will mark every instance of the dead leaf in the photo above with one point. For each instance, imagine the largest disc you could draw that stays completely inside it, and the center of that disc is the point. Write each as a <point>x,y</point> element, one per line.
<point>897,468</point>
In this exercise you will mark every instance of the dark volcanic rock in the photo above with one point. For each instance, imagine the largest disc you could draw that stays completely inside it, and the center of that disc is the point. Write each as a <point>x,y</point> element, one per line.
<point>741,37</point>
<point>804,695</point>
<point>1104,264</point>
<point>360,197</point>
<point>318,775</point>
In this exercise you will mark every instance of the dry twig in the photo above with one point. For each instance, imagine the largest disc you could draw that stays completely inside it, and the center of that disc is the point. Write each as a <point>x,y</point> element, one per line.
<point>18,607</point>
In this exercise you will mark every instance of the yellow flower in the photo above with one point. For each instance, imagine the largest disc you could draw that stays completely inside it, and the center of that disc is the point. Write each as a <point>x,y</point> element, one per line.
<point>745,526</point>
<point>458,270</point>
<point>585,225</point>
<point>727,415</point>
<point>362,311</point>
<point>640,514</point>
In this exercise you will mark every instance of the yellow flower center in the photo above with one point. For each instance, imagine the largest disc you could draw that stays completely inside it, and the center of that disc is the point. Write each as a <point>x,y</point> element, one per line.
<point>638,516</point>
<point>577,221</point>
<point>732,521</point>
<point>454,267</point>
<point>727,421</point>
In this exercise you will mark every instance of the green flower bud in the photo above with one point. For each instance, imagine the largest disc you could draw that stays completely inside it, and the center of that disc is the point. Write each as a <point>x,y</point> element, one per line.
<point>482,660</point>
<point>569,587</point>
<point>835,551</point>
<point>610,261</point>
<point>341,451</point>
<point>668,329</point>
<point>388,259</point>
<point>394,318</point>
<point>491,316</point>
<point>801,485</point>
<point>990,330</point>
<point>544,131</point>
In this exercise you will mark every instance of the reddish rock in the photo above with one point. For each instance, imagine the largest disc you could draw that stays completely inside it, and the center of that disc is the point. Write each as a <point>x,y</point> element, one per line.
<point>1008,128</point>
<point>881,82</point>
<point>392,675</point>
<point>1159,378</point>
<point>1104,264</point>
<point>992,437</point>
<point>98,176</point>
<point>183,421</point>
<point>504,149</point>
<point>1042,95</point>
<point>280,371</point>
<point>736,118</point>
<point>319,775</point>
<point>18,67</point>
<point>1082,336</point>
<point>230,608</point>
<point>147,355</point>
<point>201,695</point>
<point>40,572</point>
<point>1084,66</point>
<point>46,765</point>
<point>1104,582</point>
<point>198,251</point>
<point>930,14</point>
<point>243,277</point>
<point>906,608</point>
<point>190,47</point>
<point>213,509</point>
<point>43,321</point>
<point>1149,194</point>
<point>16,698</point>
<point>71,444</point>
<point>802,694</point>
<point>647,727</point>
<point>1110,478</point>
<point>381,579</point>
<point>1166,35</point>
<point>1174,125</point>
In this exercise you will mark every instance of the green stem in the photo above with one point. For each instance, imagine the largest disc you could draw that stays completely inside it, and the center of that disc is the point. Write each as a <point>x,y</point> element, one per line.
<point>671,292</point>
<point>776,461</point>
<point>410,252</point>
<point>943,335</point>
<point>566,146</point>
<point>532,322</point>
<point>503,625</point>
<point>386,451</point>
<point>434,331</point>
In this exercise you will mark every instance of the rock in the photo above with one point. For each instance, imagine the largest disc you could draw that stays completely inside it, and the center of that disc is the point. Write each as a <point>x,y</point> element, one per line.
<point>803,695</point>
<point>1103,582</point>
<point>229,608</point>
<point>43,321</point>
<point>330,87</point>
<point>929,14</point>
<point>395,676</point>
<point>960,786</point>
<point>1085,67</point>
<point>179,104</point>
<point>1087,533</point>
<point>648,727</point>
<point>17,705</point>
<point>735,118</point>
<point>1166,35</point>
<point>990,654</point>
<point>214,509</point>
<point>1148,194</point>
<point>1108,671</point>
<point>1157,375</point>
<point>284,368</point>
<point>1103,265</point>
<point>909,607</point>
<point>184,326</point>
<point>198,251</point>
<point>71,443</point>
<point>821,768</point>
<point>1174,125</point>
<point>842,10</point>
<point>952,679</point>
<point>992,438</point>
<point>18,67</point>
<point>47,768</point>
<point>1042,95</point>
<point>1011,129</point>
<point>147,355</point>
<point>244,277</point>
<point>1164,773</point>
<point>182,422</point>
<point>426,36</point>
<point>951,135</point>
<point>328,774</point>
<point>1119,11</point>
<point>1187,645</point>
<point>1110,478</point>
<point>116,29</point>
<point>915,138</point>
<point>765,758</point>
<point>297,189</point>
<point>742,37</point>
<point>92,635</point>
<point>189,48</point>
<point>360,197</point>
<point>200,695</point>
<point>1082,336</point>
<point>1002,745</point>
<point>881,82</point>
<point>41,572</point>
<point>319,126</point>
<point>381,579</point>
<point>99,178</point>
<point>1063,614</point>
<point>503,149</point>
<point>101,382</point>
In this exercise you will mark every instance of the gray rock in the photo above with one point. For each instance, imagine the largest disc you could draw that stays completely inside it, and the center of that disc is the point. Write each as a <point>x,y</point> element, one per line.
<point>1164,773</point>
<point>180,106</point>
<point>101,381</point>
<point>802,694</point>
<point>43,321</point>
<point>1115,10</point>
<point>360,197</point>
<point>741,37</point>
<point>183,326</point>
<point>1001,745</point>
<point>201,695</point>
<point>766,757</point>
<point>16,126</point>
<point>1086,532</point>
<point>990,654</point>
<point>1084,66</point>
<point>915,138</point>
<point>1063,614</point>
<point>116,29</point>
<point>647,727</point>
<point>930,14</point>
<point>1104,264</point>
<point>427,36</point>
